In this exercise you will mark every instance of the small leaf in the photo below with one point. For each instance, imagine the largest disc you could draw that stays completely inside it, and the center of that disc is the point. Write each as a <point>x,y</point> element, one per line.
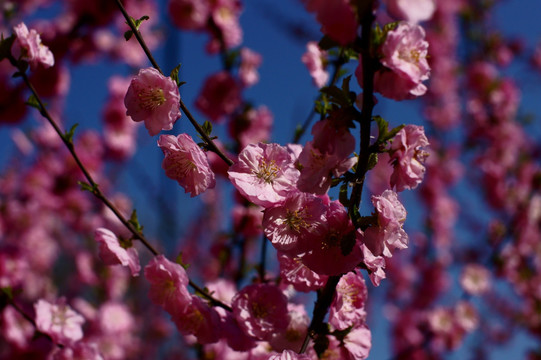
<point>372,161</point>
<point>86,186</point>
<point>382,127</point>
<point>391,134</point>
<point>345,84</point>
<point>33,101</point>
<point>174,75</point>
<point>68,135</point>
<point>179,261</point>
<point>135,222</point>
<point>207,127</point>
<point>327,43</point>
<point>8,291</point>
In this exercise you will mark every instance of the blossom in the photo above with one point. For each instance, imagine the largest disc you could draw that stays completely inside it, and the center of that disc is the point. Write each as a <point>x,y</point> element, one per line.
<point>314,58</point>
<point>374,264</point>
<point>407,157</point>
<point>199,319</point>
<point>220,96</point>
<point>291,225</point>
<point>111,251</point>
<point>189,14</point>
<point>59,321</point>
<point>348,306</point>
<point>252,126</point>
<point>28,44</point>
<point>79,350</point>
<point>186,163</point>
<point>294,272</point>
<point>388,233</point>
<point>250,61</point>
<point>337,19</point>
<point>358,342</point>
<point>412,11</point>
<point>289,355</point>
<point>168,284</point>
<point>264,174</point>
<point>475,279</point>
<point>293,336</point>
<point>154,99</point>
<point>260,310</point>
<point>335,248</point>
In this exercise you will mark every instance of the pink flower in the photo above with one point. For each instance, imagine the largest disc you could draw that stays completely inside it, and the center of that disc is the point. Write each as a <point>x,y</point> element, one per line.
<point>289,355</point>
<point>264,174</point>
<point>260,310</point>
<point>337,19</point>
<point>404,52</point>
<point>15,328</point>
<point>251,127</point>
<point>200,320</point>
<point>250,61</point>
<point>294,334</point>
<point>348,306</point>
<point>59,321</point>
<point>315,59</point>
<point>186,163</point>
<point>475,279</point>
<point>294,272</point>
<point>220,96</point>
<point>374,264</point>
<point>335,249</point>
<point>225,14</point>
<point>30,48</point>
<point>358,342</point>
<point>189,14</point>
<point>154,99</point>
<point>111,251</point>
<point>407,157</point>
<point>291,225</point>
<point>168,284</point>
<point>78,351</point>
<point>412,11</point>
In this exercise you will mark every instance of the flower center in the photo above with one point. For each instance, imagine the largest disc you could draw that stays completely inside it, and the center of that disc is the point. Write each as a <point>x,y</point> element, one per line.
<point>151,98</point>
<point>267,172</point>
<point>295,220</point>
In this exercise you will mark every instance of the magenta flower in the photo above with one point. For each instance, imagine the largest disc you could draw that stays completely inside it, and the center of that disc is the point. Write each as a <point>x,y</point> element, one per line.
<point>374,264</point>
<point>407,157</point>
<point>220,96</point>
<point>292,225</point>
<point>28,45</point>
<point>289,355</point>
<point>189,14</point>
<point>261,310</point>
<point>59,321</point>
<point>314,58</point>
<point>250,61</point>
<point>112,253</point>
<point>264,174</point>
<point>186,163</point>
<point>168,284</point>
<point>200,320</point>
<point>294,272</point>
<point>154,99</point>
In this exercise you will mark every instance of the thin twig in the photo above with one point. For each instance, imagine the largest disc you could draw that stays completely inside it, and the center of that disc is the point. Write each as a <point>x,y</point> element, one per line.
<point>211,145</point>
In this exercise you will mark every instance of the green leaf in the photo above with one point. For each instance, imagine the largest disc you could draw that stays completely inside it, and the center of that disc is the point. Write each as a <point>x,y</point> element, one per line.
<point>207,127</point>
<point>179,261</point>
<point>128,34</point>
<point>372,161</point>
<point>33,101</point>
<point>137,23</point>
<point>135,222</point>
<point>174,75</point>
<point>68,135</point>
<point>8,291</point>
<point>391,134</point>
<point>345,84</point>
<point>382,127</point>
<point>86,186</point>
<point>337,96</point>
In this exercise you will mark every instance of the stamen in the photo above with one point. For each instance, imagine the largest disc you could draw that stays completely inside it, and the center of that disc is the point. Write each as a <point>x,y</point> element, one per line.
<point>151,98</point>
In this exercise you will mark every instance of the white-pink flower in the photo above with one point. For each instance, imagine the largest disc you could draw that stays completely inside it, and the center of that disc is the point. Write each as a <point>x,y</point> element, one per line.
<point>186,163</point>
<point>314,58</point>
<point>475,279</point>
<point>30,48</point>
<point>112,253</point>
<point>408,158</point>
<point>289,355</point>
<point>250,61</point>
<point>294,272</point>
<point>412,11</point>
<point>261,310</point>
<point>59,321</point>
<point>154,99</point>
<point>264,174</point>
